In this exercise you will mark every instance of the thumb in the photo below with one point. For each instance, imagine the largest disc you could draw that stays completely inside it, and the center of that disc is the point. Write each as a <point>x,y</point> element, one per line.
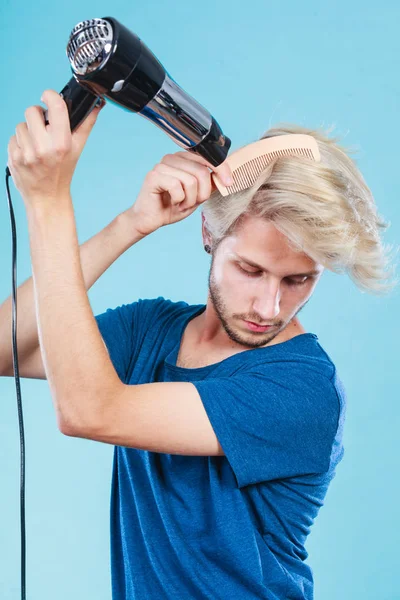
<point>82,133</point>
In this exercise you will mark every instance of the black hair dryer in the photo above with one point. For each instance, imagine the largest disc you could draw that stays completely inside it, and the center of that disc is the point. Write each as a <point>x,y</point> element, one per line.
<point>108,60</point>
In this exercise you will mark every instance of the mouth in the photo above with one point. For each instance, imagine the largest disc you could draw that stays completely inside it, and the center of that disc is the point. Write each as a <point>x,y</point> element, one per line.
<point>255,327</point>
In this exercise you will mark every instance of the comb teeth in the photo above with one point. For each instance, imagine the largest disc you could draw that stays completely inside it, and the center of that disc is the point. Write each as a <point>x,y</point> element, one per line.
<point>245,175</point>
<point>248,162</point>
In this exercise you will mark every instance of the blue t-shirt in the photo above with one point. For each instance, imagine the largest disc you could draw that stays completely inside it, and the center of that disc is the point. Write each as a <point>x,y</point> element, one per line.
<point>233,526</point>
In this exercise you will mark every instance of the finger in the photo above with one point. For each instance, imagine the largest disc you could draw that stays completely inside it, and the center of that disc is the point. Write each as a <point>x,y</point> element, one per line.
<point>189,182</point>
<point>81,134</point>
<point>24,141</point>
<point>14,151</point>
<point>223,170</point>
<point>172,185</point>
<point>36,128</point>
<point>59,125</point>
<point>197,169</point>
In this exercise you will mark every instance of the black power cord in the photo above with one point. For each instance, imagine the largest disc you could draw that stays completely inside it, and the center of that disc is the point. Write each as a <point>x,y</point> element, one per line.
<point>17,383</point>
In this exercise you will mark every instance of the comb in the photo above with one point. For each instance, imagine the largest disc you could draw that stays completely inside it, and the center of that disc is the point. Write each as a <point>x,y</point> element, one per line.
<point>247,163</point>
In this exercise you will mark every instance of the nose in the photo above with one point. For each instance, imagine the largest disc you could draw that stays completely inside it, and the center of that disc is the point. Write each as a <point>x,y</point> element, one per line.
<point>267,301</point>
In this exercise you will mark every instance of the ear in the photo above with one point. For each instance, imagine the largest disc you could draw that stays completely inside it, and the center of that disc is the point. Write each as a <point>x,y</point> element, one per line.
<point>204,230</point>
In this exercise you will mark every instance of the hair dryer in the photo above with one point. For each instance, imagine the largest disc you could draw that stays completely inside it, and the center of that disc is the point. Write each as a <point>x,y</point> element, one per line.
<point>108,60</point>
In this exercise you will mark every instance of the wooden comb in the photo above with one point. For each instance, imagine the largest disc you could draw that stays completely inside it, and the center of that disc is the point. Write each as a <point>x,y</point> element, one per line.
<point>247,163</point>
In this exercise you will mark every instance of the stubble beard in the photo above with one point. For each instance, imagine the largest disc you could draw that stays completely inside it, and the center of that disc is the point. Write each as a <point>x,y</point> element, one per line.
<point>252,339</point>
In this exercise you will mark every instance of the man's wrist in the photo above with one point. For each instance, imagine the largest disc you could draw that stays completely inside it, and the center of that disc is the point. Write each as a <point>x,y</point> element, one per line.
<point>42,207</point>
<point>127,228</point>
<point>45,216</point>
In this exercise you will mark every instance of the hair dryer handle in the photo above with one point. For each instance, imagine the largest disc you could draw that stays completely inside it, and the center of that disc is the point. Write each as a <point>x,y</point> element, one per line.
<point>80,102</point>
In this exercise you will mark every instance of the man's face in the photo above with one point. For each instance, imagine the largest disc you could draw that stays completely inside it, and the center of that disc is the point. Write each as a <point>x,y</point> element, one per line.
<point>269,294</point>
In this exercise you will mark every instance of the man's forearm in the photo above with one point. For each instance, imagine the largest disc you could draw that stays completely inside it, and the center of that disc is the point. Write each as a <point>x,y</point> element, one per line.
<point>78,368</point>
<point>97,254</point>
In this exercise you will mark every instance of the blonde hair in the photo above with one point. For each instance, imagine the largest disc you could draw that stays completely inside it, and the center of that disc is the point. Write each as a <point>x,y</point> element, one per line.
<point>325,209</point>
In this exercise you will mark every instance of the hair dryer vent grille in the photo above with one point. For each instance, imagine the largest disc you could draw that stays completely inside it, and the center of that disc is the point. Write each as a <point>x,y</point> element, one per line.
<point>89,45</point>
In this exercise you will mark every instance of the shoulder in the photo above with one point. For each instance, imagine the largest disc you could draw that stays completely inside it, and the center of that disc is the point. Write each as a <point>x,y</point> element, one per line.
<point>162,311</point>
<point>148,308</point>
<point>300,356</point>
<point>298,370</point>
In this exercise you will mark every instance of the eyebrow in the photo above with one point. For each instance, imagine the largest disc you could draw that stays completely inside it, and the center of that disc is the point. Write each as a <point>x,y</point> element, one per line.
<point>253,264</point>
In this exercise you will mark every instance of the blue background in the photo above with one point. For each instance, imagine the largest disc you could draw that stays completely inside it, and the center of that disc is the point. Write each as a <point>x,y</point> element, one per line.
<point>251,65</point>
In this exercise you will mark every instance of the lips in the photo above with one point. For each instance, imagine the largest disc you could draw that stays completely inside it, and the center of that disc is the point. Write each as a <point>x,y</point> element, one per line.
<point>256,327</point>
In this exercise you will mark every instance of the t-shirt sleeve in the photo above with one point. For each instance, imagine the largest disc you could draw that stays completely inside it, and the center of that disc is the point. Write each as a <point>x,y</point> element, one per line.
<point>123,329</point>
<point>278,420</point>
<point>116,326</point>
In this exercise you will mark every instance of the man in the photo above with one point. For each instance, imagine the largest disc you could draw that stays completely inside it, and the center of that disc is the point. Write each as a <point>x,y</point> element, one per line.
<point>227,418</point>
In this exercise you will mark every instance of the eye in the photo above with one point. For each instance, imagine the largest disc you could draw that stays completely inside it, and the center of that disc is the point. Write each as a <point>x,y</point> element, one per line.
<point>295,282</point>
<point>248,273</point>
<point>290,282</point>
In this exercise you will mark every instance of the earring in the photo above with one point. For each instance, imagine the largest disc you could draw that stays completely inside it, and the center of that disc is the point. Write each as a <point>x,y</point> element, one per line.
<point>207,248</point>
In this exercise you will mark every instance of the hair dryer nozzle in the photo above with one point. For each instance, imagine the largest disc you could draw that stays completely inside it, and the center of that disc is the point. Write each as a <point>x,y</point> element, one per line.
<point>215,146</point>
